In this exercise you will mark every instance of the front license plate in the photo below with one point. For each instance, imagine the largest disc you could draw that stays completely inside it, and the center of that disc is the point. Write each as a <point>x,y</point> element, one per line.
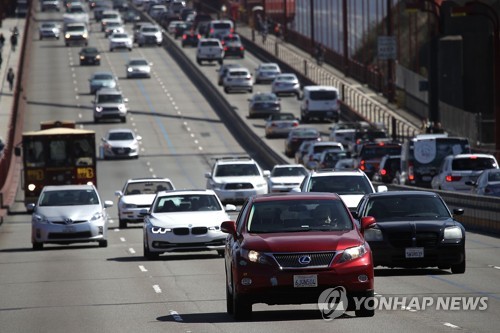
<point>414,252</point>
<point>69,230</point>
<point>305,281</point>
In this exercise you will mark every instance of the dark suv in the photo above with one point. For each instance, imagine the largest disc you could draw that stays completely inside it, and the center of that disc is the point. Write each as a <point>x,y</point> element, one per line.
<point>389,166</point>
<point>291,248</point>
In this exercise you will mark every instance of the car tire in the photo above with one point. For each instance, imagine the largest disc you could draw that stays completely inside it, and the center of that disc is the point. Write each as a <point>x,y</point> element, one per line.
<point>123,119</point>
<point>229,301</point>
<point>221,61</point>
<point>122,224</point>
<point>226,90</point>
<point>110,50</point>
<point>37,246</point>
<point>458,269</point>
<point>221,253</point>
<point>150,255</point>
<point>41,37</point>
<point>198,61</point>
<point>103,243</point>
<point>242,309</point>
<point>365,311</point>
<point>250,90</point>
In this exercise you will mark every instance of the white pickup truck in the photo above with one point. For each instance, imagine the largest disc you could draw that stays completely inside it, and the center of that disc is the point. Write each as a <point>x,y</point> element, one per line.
<point>209,49</point>
<point>76,14</point>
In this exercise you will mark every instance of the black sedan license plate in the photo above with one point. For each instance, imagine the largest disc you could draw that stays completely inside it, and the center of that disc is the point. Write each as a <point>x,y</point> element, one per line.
<point>414,252</point>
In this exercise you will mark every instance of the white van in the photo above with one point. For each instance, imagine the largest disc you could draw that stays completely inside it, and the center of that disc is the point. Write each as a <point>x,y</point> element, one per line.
<point>320,102</point>
<point>220,28</point>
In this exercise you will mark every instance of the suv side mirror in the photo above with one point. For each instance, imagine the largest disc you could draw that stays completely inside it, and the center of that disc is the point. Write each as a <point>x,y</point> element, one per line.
<point>229,227</point>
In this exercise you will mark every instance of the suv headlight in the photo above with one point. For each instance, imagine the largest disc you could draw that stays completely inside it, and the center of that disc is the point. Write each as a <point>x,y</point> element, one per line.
<point>98,108</point>
<point>453,233</point>
<point>255,257</point>
<point>121,107</point>
<point>353,253</point>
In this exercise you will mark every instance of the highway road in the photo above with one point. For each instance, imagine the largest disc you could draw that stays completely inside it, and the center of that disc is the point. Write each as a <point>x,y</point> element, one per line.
<point>83,288</point>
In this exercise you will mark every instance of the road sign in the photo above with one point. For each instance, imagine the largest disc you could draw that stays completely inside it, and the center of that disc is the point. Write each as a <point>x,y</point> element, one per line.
<point>386,47</point>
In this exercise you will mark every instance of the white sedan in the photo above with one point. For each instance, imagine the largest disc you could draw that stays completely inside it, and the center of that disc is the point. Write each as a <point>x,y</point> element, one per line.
<point>138,67</point>
<point>120,40</point>
<point>120,143</point>
<point>138,194</point>
<point>185,220</point>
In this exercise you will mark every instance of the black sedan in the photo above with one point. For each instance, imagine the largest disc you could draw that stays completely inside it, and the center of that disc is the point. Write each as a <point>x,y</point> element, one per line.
<point>190,38</point>
<point>263,104</point>
<point>90,56</point>
<point>414,229</point>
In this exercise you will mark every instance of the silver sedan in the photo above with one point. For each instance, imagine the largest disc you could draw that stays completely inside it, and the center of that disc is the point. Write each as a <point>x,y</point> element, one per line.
<point>120,143</point>
<point>138,67</point>
<point>286,83</point>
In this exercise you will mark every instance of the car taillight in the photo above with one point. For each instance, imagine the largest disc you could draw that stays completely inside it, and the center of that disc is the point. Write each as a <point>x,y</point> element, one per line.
<point>383,172</point>
<point>452,178</point>
<point>242,48</point>
<point>411,176</point>
<point>362,165</point>
<point>225,48</point>
<point>295,124</point>
<point>184,36</point>
<point>274,125</point>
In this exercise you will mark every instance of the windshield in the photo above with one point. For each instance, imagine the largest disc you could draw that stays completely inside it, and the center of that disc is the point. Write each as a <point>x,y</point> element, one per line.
<point>395,208</point>
<point>186,203</point>
<point>296,216</point>
<point>112,98</point>
<point>120,136</point>
<point>340,184</point>
<point>103,77</point>
<point>68,198</point>
<point>138,63</point>
<point>147,187</point>
<point>236,170</point>
<point>289,172</point>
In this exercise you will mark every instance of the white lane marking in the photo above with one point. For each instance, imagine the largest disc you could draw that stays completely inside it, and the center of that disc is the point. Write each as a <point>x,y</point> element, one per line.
<point>122,239</point>
<point>131,250</point>
<point>493,266</point>
<point>176,315</point>
<point>157,289</point>
<point>151,170</point>
<point>142,268</point>
<point>451,325</point>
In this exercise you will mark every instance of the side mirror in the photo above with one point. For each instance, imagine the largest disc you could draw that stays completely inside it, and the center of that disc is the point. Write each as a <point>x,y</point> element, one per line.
<point>125,100</point>
<point>139,138</point>
<point>382,188</point>
<point>108,203</point>
<point>17,151</point>
<point>208,175</point>
<point>458,211</point>
<point>266,173</point>
<point>229,227</point>
<point>367,222</point>
<point>470,183</point>
<point>30,207</point>
<point>230,208</point>
<point>118,193</point>
<point>143,212</point>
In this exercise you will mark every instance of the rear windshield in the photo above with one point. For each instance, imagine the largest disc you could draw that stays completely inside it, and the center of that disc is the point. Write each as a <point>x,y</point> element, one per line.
<point>323,95</point>
<point>379,151</point>
<point>478,163</point>
<point>210,43</point>
<point>235,170</point>
<point>220,26</point>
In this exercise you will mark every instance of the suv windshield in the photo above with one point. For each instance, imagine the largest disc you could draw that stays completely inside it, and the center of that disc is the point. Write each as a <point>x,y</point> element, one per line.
<point>395,208</point>
<point>111,98</point>
<point>294,216</point>
<point>342,185</point>
<point>235,170</point>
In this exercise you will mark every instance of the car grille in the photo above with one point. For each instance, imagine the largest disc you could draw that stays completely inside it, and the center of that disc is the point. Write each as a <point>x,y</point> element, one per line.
<point>291,260</point>
<point>120,151</point>
<point>193,231</point>
<point>110,109</point>
<point>404,239</point>
<point>238,186</point>
<point>66,223</point>
<point>67,235</point>
<point>166,245</point>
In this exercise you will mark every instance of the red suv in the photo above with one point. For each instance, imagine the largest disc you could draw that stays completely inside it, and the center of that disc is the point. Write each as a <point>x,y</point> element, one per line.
<point>290,248</point>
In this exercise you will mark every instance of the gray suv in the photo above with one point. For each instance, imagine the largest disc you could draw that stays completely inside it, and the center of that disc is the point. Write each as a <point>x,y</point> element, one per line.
<point>110,104</point>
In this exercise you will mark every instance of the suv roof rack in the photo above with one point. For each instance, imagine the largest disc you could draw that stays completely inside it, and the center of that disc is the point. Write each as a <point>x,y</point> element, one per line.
<point>242,157</point>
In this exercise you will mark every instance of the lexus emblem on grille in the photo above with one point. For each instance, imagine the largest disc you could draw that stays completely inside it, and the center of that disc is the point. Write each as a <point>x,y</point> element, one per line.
<point>68,221</point>
<point>305,260</point>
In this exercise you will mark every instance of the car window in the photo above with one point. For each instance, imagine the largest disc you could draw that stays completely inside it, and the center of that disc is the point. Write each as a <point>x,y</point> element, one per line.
<point>121,136</point>
<point>293,216</point>
<point>340,184</point>
<point>103,77</point>
<point>186,203</point>
<point>321,95</point>
<point>68,198</point>
<point>478,163</point>
<point>394,208</point>
<point>234,170</point>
